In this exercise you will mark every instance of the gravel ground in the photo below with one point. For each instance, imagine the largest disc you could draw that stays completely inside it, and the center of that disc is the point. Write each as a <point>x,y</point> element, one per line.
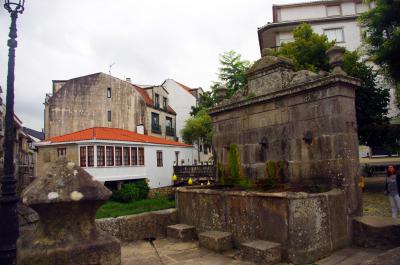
<point>375,202</point>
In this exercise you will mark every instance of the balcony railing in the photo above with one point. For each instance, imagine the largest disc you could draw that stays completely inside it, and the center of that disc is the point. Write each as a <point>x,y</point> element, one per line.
<point>155,128</point>
<point>169,131</point>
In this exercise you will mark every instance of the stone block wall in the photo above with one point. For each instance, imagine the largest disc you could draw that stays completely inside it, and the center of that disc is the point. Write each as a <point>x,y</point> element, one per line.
<point>83,103</point>
<point>139,226</point>
<point>308,226</point>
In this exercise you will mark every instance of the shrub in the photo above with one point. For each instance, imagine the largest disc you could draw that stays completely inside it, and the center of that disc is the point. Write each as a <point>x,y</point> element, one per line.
<point>232,174</point>
<point>134,191</point>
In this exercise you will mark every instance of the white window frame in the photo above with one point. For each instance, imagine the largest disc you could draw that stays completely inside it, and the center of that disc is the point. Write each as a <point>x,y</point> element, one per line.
<point>336,28</point>
<point>340,10</point>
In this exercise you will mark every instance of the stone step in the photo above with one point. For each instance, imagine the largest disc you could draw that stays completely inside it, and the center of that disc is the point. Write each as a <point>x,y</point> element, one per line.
<point>261,252</point>
<point>376,232</point>
<point>390,257</point>
<point>217,241</point>
<point>183,232</point>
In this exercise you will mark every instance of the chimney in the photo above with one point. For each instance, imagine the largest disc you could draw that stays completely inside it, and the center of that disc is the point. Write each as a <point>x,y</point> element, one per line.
<point>140,129</point>
<point>128,79</point>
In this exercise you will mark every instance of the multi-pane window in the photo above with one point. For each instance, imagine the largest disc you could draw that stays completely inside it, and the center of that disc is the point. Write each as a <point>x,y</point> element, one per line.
<point>134,157</point>
<point>361,8</point>
<point>118,156</point>
<point>141,156</point>
<point>109,92</point>
<point>164,103</point>
<point>127,157</point>
<point>333,10</point>
<point>109,115</point>
<point>82,156</point>
<point>155,123</point>
<point>284,37</point>
<point>159,159</point>
<point>90,158</point>
<point>100,156</point>
<point>110,155</point>
<point>335,34</point>
<point>157,100</point>
<point>61,152</point>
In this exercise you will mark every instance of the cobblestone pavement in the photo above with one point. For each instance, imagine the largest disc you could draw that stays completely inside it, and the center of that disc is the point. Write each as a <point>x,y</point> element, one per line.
<point>175,252</point>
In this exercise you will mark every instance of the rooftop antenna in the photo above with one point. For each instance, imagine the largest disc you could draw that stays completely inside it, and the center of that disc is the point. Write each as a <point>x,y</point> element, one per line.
<point>109,68</point>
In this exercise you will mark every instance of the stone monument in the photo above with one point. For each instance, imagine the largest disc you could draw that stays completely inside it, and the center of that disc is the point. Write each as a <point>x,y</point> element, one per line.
<point>66,199</point>
<point>303,118</point>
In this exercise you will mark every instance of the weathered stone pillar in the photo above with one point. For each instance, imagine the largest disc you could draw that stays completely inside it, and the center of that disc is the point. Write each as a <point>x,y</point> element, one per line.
<point>66,200</point>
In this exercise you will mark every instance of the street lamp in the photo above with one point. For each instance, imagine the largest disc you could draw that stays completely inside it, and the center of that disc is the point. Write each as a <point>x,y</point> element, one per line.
<point>9,231</point>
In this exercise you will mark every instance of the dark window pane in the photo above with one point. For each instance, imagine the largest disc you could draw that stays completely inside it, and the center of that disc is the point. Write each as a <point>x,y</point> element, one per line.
<point>100,156</point>
<point>90,150</point>
<point>82,155</point>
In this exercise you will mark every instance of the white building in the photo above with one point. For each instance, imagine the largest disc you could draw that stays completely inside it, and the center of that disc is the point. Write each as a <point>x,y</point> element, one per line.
<point>182,98</point>
<point>337,19</point>
<point>117,155</point>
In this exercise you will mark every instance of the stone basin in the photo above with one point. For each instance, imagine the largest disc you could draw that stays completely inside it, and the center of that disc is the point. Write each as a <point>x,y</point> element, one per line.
<point>309,226</point>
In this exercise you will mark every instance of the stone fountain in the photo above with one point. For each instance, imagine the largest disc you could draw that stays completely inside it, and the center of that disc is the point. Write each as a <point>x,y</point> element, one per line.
<point>307,120</point>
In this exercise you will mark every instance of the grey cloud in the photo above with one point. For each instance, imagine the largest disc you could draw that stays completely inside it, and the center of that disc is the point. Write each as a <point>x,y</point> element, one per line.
<point>148,40</point>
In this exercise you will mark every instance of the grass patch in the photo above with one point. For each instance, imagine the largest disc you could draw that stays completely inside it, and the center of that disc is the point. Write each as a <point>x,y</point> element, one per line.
<point>115,209</point>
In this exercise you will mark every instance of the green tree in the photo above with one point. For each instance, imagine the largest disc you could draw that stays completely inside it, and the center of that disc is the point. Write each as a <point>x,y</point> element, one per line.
<point>382,36</point>
<point>308,52</point>
<point>198,130</point>
<point>232,72</point>
<point>206,101</point>
<point>369,116</point>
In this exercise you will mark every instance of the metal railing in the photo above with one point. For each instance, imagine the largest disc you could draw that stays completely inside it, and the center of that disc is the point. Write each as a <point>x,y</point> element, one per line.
<point>169,131</point>
<point>155,128</point>
<point>201,173</point>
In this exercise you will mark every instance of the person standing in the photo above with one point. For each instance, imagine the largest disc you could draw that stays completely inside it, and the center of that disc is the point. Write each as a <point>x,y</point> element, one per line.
<point>392,190</point>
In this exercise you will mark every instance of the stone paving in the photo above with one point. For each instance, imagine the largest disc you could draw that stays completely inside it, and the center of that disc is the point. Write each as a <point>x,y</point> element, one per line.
<point>174,252</point>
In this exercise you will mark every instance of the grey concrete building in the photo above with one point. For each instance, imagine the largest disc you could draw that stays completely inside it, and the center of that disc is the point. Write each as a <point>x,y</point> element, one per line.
<point>101,100</point>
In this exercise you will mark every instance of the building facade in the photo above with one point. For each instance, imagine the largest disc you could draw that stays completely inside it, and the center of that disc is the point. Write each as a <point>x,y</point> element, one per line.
<point>337,19</point>
<point>101,100</point>
<point>116,155</point>
<point>182,98</point>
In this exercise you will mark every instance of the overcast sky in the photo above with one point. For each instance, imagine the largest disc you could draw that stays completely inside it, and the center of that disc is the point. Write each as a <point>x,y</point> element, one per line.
<point>148,41</point>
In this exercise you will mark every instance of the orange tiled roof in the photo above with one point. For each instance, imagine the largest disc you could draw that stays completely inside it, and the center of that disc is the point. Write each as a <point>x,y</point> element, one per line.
<point>188,89</point>
<point>112,134</point>
<point>148,100</point>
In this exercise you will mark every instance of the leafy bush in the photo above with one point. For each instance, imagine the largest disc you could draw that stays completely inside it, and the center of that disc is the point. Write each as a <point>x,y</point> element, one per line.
<point>134,191</point>
<point>232,174</point>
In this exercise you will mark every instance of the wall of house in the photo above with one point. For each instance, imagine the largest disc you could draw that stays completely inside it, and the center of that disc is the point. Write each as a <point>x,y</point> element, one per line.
<point>48,154</point>
<point>83,103</point>
<point>162,120</point>
<point>181,101</point>
<point>351,30</point>
<point>157,176</point>
<point>302,12</point>
<point>162,176</point>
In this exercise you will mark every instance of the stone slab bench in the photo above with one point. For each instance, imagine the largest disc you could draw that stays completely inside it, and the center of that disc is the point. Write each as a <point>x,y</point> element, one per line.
<point>217,241</point>
<point>183,232</point>
<point>390,257</point>
<point>376,232</point>
<point>261,252</point>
